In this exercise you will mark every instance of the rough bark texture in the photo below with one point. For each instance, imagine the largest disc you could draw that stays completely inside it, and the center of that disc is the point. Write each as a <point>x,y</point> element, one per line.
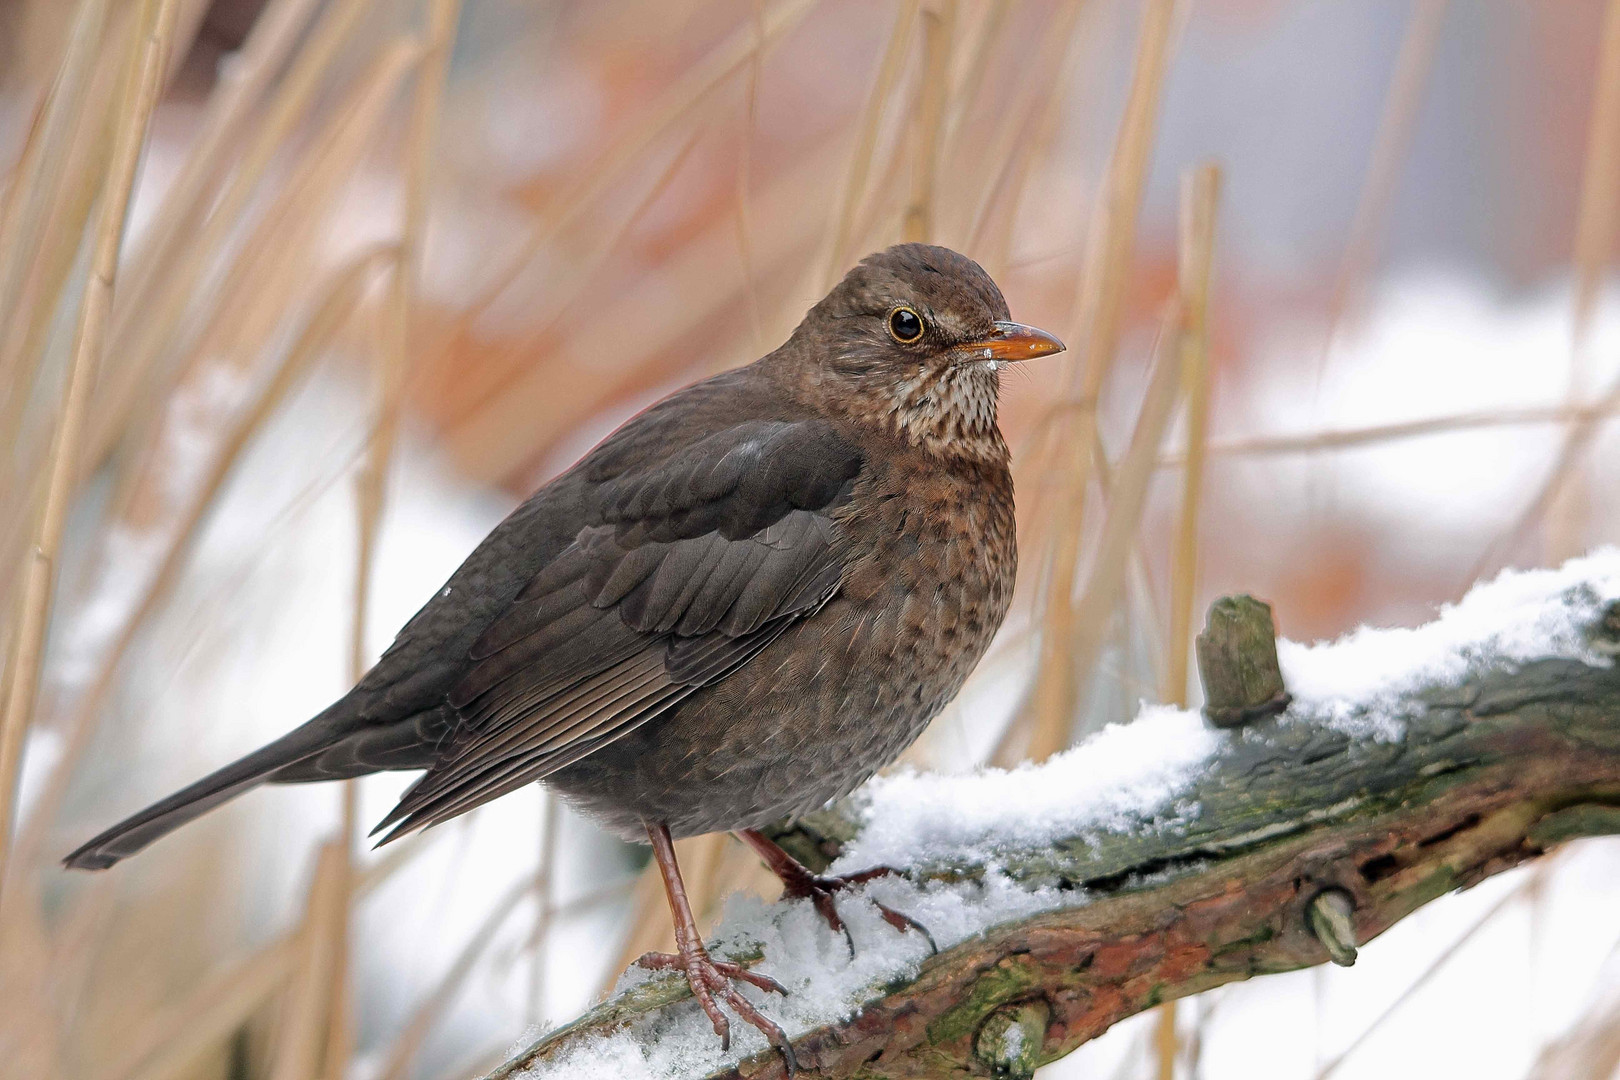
<point>1486,777</point>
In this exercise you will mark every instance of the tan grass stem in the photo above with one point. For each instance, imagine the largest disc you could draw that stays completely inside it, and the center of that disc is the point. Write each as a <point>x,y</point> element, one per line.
<point>175,223</point>
<point>1428,973</point>
<point>38,174</point>
<point>1578,439</point>
<point>301,1039</point>
<point>939,27</point>
<point>1199,192</point>
<point>1599,209</point>
<point>175,287</point>
<point>1093,615</point>
<point>1391,144</point>
<point>1050,709</point>
<point>1595,222</point>
<point>1019,142</point>
<point>371,484</point>
<point>841,238</point>
<point>1379,434</point>
<point>147,61</point>
<point>676,103</point>
<point>342,293</point>
<point>408,1043</point>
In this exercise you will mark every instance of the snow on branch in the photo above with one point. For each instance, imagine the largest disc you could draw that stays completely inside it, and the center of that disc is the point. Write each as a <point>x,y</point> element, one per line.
<point>1165,856</point>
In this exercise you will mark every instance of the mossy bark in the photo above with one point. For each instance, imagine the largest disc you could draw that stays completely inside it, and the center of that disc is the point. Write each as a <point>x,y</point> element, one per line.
<point>1483,777</point>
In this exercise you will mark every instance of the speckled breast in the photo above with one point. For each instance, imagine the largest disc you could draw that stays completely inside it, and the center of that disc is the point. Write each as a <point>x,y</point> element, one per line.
<point>930,563</point>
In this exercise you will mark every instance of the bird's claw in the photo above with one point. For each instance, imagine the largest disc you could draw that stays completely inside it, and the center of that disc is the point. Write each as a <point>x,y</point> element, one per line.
<point>710,979</point>
<point>820,890</point>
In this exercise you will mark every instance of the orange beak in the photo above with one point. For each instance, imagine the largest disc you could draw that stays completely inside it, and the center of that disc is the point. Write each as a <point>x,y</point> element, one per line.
<point>1012,342</point>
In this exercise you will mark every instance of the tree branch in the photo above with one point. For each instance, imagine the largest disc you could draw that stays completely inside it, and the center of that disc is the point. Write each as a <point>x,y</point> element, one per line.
<point>1314,831</point>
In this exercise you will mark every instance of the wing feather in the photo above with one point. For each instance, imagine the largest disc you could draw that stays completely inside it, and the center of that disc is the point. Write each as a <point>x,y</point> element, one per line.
<point>687,569</point>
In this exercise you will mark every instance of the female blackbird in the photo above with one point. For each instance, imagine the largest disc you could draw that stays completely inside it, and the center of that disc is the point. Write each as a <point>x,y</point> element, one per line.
<point>738,606</point>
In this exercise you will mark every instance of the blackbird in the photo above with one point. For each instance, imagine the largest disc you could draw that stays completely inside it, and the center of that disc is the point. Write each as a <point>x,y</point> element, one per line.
<point>738,606</point>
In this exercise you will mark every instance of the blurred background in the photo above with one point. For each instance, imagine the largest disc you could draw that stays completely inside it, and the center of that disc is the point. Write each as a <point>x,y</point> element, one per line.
<point>1335,280</point>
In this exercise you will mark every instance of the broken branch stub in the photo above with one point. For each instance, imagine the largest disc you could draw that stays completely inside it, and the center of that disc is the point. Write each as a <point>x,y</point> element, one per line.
<point>1237,663</point>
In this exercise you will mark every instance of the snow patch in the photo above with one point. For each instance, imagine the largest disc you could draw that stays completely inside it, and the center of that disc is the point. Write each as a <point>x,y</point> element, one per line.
<point>1357,683</point>
<point>1117,780</point>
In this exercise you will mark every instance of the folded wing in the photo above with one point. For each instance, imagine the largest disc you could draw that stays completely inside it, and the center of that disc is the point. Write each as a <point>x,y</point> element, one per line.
<point>688,567</point>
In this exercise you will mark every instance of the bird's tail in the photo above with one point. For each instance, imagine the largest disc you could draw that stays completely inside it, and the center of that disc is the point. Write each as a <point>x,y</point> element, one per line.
<point>166,815</point>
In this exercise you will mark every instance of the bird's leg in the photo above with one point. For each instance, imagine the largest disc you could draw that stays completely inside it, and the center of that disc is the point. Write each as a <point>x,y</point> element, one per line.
<point>799,883</point>
<point>709,978</point>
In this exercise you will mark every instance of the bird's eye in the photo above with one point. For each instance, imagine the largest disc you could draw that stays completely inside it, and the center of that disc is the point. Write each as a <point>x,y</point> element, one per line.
<point>906,325</point>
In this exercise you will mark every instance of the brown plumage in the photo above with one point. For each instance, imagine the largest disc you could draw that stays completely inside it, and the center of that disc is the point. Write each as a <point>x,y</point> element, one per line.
<point>739,605</point>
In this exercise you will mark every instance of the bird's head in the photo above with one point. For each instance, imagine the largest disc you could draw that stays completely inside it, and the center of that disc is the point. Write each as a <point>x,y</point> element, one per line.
<point>915,338</point>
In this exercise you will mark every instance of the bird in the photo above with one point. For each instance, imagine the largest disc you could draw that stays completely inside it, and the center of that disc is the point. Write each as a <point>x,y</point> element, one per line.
<point>737,607</point>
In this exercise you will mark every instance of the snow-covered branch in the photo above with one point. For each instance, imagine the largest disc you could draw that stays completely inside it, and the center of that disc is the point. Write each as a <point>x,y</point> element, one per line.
<point>1165,857</point>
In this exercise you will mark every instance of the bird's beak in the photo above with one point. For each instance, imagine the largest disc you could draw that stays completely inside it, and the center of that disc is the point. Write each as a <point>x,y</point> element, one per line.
<point>1012,342</point>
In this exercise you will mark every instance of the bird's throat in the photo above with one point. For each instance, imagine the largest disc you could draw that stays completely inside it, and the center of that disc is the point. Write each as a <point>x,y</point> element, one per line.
<point>950,410</point>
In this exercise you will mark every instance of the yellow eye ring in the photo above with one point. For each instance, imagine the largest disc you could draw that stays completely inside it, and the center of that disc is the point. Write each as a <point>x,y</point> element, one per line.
<point>905,325</point>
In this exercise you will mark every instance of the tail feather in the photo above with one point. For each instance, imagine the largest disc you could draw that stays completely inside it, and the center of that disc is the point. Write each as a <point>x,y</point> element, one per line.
<point>162,817</point>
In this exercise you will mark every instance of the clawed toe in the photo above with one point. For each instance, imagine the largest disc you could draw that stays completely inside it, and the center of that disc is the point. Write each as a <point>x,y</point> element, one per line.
<point>798,883</point>
<point>710,981</point>
<point>903,922</point>
<point>820,891</point>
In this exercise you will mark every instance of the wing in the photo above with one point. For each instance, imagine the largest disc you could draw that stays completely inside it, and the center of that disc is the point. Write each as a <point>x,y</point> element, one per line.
<point>686,570</point>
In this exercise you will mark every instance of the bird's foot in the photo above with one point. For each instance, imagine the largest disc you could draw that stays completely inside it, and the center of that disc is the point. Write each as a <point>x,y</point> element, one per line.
<point>711,980</point>
<point>820,889</point>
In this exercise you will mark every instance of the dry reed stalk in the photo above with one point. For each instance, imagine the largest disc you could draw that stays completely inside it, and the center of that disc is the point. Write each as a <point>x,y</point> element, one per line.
<point>939,26</point>
<point>1199,191</point>
<point>841,235</point>
<point>342,293</point>
<point>1391,144</point>
<point>39,171</point>
<point>973,64</point>
<point>1558,503</point>
<point>1352,438</point>
<point>269,272</point>
<point>1051,706</point>
<point>275,33</point>
<point>694,288</point>
<point>878,222</point>
<point>1599,210</point>
<point>48,246</point>
<point>557,300</point>
<point>147,60</point>
<point>169,1043</point>
<point>1428,973</point>
<point>1594,240</point>
<point>301,1038</point>
<point>76,944</point>
<point>1093,615</point>
<point>745,169</point>
<point>1577,440</point>
<point>673,105</point>
<point>1589,1050</point>
<point>370,485</point>
<point>1017,145</point>
<point>408,1043</point>
<point>160,319</point>
<point>545,865</point>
